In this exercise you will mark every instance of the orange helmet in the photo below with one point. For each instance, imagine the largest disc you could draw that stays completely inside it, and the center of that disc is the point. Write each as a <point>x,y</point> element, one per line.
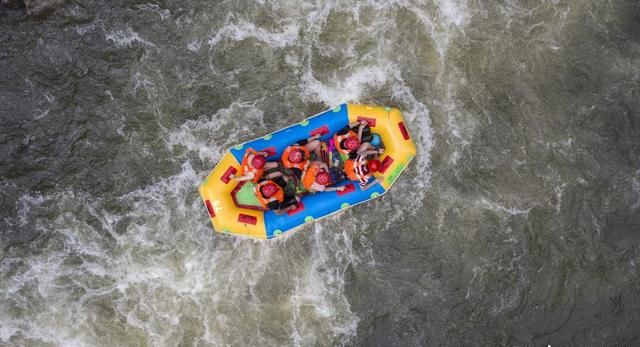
<point>296,156</point>
<point>373,165</point>
<point>269,190</point>
<point>258,161</point>
<point>323,178</point>
<point>351,143</point>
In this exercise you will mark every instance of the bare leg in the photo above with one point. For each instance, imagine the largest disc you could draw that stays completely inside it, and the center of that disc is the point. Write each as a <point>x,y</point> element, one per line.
<point>274,174</point>
<point>270,165</point>
<point>365,146</point>
<point>314,146</point>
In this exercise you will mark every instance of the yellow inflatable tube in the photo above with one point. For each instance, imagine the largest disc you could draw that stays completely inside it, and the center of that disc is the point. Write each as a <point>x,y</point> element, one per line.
<point>389,124</point>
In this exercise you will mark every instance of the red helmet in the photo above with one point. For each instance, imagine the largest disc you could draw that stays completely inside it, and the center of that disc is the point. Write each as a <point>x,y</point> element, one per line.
<point>323,178</point>
<point>269,189</point>
<point>295,156</point>
<point>258,161</point>
<point>373,165</point>
<point>352,143</point>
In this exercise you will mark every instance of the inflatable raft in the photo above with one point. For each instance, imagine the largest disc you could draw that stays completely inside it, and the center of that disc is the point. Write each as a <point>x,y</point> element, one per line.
<point>229,202</point>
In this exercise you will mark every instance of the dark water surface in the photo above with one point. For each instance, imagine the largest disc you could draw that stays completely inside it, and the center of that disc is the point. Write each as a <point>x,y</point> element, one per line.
<point>517,225</point>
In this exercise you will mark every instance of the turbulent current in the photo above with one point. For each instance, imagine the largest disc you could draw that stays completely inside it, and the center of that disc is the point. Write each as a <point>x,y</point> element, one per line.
<point>518,223</point>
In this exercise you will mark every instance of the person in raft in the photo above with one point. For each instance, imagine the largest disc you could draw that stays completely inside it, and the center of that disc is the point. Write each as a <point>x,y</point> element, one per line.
<point>361,169</point>
<point>253,166</point>
<point>297,157</point>
<point>272,194</point>
<point>317,178</point>
<point>349,142</point>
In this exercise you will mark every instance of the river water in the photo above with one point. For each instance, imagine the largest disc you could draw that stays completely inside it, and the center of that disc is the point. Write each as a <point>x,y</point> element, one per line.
<point>517,224</point>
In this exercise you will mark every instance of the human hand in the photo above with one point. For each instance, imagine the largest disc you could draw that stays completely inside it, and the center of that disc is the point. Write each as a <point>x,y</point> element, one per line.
<point>363,122</point>
<point>380,150</point>
<point>341,188</point>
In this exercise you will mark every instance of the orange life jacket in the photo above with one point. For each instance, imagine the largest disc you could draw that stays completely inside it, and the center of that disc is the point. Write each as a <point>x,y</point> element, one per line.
<point>264,201</point>
<point>246,166</point>
<point>309,176</point>
<point>349,170</point>
<point>356,171</point>
<point>337,140</point>
<point>301,165</point>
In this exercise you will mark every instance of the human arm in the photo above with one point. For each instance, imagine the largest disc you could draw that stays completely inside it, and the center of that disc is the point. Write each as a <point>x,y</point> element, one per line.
<point>372,151</point>
<point>246,177</point>
<point>273,175</point>
<point>374,182</point>
<point>334,189</point>
<point>361,126</point>
<point>313,137</point>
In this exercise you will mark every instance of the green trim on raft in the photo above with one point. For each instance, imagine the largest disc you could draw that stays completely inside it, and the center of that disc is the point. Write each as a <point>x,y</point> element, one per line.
<point>308,219</point>
<point>336,109</point>
<point>277,232</point>
<point>344,205</point>
<point>374,195</point>
<point>387,108</point>
<point>396,172</point>
<point>238,147</point>
<point>267,137</point>
<point>304,123</point>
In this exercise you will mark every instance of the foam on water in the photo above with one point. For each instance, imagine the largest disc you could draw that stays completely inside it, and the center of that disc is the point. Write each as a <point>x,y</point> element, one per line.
<point>196,135</point>
<point>514,211</point>
<point>347,88</point>
<point>454,12</point>
<point>126,38</point>
<point>239,29</point>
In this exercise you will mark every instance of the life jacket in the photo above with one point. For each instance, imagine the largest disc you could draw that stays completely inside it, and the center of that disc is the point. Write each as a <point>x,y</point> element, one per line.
<point>309,176</point>
<point>301,165</point>
<point>349,171</point>
<point>264,201</point>
<point>246,166</point>
<point>337,140</point>
<point>354,171</point>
